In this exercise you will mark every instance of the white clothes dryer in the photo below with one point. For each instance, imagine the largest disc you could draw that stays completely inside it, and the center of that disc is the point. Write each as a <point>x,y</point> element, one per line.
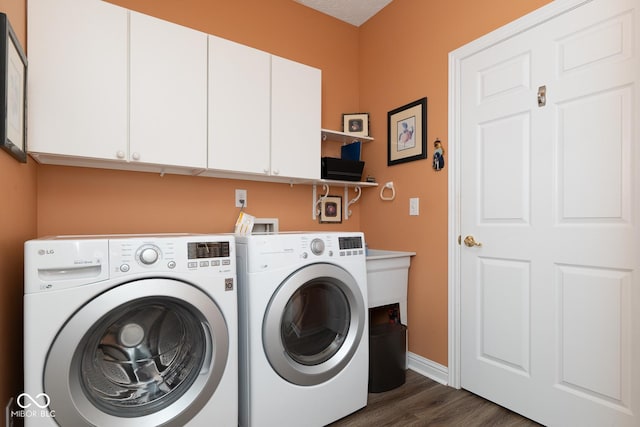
<point>303,317</point>
<point>131,331</point>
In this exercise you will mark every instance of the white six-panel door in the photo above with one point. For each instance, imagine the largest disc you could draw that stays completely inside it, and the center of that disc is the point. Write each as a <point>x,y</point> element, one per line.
<point>549,190</point>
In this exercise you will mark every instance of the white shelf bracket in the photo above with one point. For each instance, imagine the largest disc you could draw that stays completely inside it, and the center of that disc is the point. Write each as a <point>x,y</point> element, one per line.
<point>347,211</point>
<point>317,201</point>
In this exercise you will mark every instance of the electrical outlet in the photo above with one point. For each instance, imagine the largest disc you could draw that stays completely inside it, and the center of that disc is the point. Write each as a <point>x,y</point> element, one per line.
<point>414,206</point>
<point>241,198</point>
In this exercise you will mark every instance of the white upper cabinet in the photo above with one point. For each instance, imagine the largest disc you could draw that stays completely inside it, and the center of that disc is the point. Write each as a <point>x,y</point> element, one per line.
<point>239,108</point>
<point>114,88</point>
<point>295,119</point>
<point>264,114</point>
<point>77,79</point>
<point>168,93</point>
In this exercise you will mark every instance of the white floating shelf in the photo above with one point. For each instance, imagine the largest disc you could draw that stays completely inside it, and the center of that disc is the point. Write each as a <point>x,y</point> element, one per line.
<point>338,183</point>
<point>345,138</point>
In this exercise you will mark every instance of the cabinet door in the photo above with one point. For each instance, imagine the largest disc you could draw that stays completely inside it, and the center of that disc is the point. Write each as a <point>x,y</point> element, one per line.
<point>168,93</point>
<point>77,79</point>
<point>239,104</point>
<point>295,119</point>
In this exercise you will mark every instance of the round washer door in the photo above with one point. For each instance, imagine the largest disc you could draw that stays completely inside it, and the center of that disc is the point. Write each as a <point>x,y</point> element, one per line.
<point>148,352</point>
<point>313,324</point>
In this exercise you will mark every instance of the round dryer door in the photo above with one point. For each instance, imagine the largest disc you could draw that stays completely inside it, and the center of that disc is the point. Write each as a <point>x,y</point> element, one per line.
<point>314,324</point>
<point>149,352</point>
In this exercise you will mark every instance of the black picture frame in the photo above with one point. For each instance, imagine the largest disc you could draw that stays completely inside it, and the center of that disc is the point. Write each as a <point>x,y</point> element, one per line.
<point>13,92</point>
<point>356,124</point>
<point>407,133</point>
<point>331,210</point>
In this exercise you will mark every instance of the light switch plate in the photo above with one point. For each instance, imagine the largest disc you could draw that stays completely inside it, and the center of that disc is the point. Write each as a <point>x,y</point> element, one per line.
<point>414,206</point>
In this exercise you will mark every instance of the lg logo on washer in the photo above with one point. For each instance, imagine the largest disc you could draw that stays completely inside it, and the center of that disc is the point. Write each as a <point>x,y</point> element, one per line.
<point>46,252</point>
<point>31,406</point>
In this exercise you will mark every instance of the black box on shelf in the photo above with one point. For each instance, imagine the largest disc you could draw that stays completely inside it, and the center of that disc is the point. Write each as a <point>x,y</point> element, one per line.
<point>341,170</point>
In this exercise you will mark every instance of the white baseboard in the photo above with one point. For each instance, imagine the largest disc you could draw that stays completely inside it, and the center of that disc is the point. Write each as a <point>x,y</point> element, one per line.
<point>428,368</point>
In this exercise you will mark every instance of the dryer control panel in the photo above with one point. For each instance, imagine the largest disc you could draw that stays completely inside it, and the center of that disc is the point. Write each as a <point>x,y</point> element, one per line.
<point>273,251</point>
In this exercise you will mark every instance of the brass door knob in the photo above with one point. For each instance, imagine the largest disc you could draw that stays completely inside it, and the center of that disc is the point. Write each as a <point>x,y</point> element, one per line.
<point>471,242</point>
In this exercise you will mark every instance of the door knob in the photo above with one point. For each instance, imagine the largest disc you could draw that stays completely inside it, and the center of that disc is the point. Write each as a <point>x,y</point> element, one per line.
<point>471,242</point>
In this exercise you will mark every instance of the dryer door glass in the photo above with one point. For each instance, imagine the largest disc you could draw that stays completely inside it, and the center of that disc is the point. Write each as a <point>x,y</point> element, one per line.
<point>315,322</point>
<point>142,357</point>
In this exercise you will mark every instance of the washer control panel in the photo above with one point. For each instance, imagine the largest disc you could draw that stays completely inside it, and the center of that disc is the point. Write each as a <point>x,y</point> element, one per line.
<point>185,253</point>
<point>131,255</point>
<point>206,254</point>
<point>61,262</point>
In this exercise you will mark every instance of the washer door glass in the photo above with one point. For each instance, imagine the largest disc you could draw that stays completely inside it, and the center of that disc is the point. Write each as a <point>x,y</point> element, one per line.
<point>148,352</point>
<point>142,357</point>
<point>313,324</point>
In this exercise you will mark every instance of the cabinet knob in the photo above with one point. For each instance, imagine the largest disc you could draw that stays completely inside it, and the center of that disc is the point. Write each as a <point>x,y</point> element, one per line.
<point>120,154</point>
<point>135,156</point>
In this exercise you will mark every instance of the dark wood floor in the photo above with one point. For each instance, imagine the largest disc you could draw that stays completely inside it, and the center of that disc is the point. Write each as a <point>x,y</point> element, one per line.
<point>423,402</point>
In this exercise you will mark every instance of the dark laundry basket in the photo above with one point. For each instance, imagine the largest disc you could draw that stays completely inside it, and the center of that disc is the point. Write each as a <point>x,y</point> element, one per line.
<point>387,356</point>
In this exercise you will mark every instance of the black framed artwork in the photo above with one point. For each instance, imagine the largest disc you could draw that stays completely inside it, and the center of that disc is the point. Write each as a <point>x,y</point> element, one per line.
<point>13,92</point>
<point>407,133</point>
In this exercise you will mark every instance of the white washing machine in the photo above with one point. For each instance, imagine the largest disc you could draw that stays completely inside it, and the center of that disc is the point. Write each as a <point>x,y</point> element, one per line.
<point>130,331</point>
<point>304,343</point>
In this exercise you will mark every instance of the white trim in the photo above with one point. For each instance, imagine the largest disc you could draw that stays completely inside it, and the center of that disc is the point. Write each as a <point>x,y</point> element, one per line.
<point>454,222</point>
<point>456,57</point>
<point>428,368</point>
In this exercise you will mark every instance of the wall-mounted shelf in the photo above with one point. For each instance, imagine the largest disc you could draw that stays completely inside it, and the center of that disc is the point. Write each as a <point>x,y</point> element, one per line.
<point>326,188</point>
<point>345,138</point>
<point>345,183</point>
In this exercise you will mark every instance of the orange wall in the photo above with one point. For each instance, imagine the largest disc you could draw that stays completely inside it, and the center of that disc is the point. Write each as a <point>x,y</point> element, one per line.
<point>18,207</point>
<point>403,56</point>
